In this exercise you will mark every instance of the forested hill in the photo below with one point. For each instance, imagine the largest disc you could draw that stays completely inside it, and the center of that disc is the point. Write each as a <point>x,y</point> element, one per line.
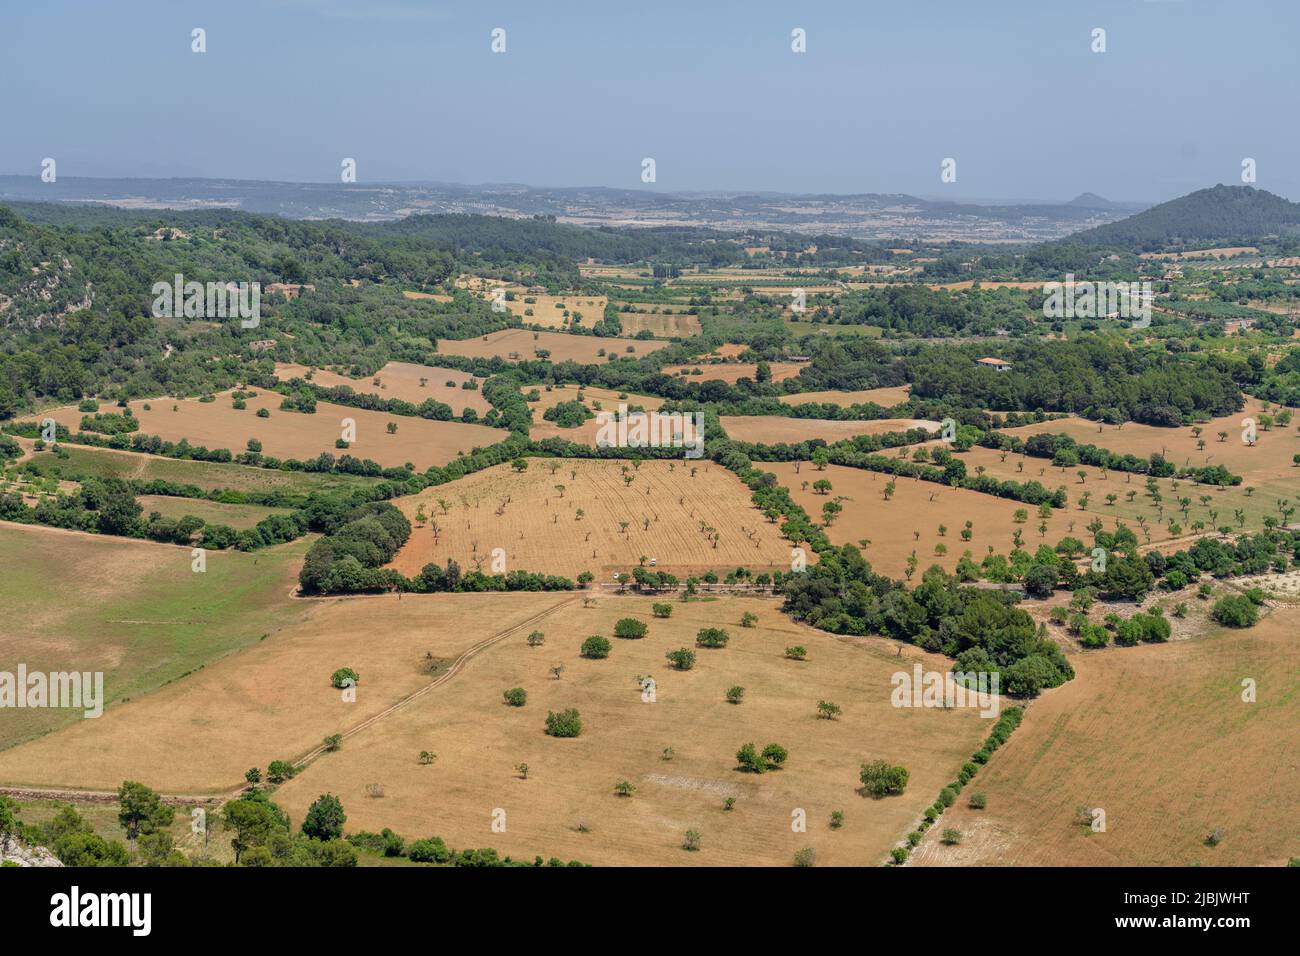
<point>1220,214</point>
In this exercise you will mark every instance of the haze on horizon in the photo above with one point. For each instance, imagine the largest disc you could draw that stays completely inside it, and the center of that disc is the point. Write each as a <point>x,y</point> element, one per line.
<point>585,90</point>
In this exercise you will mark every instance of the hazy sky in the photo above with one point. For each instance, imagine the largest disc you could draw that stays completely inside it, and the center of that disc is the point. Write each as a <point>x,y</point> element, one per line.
<point>709,88</point>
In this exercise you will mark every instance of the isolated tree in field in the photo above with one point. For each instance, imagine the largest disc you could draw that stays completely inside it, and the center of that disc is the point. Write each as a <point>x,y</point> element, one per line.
<point>880,779</point>
<point>520,464</point>
<point>796,652</point>
<point>691,841</point>
<point>748,619</point>
<point>344,677</point>
<point>141,810</point>
<point>522,770</point>
<point>515,696</point>
<point>536,639</point>
<point>427,757</point>
<point>827,710</point>
<point>392,428</point>
<point>624,789</point>
<point>821,486</point>
<point>325,818</point>
<point>557,671</point>
<point>333,742</point>
<point>712,637</point>
<point>595,647</point>
<point>631,629</point>
<point>735,695</point>
<point>566,723</point>
<point>662,610</point>
<point>683,658</point>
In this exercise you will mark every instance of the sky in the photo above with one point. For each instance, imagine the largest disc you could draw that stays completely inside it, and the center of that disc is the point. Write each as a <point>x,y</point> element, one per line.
<point>710,89</point>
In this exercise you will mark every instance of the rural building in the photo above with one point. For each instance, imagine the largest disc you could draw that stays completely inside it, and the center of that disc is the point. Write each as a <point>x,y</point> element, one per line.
<point>994,363</point>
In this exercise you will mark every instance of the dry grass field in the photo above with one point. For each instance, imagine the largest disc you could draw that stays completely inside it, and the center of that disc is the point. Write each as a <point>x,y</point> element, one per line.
<point>271,700</point>
<point>775,429</point>
<point>597,399</point>
<point>522,344</point>
<point>884,397</point>
<point>1158,737</point>
<point>1269,458</point>
<point>134,610</point>
<point>480,741</point>
<point>663,508</point>
<point>917,506</point>
<point>660,324</point>
<point>287,434</point>
<point>732,372</point>
<point>402,380</point>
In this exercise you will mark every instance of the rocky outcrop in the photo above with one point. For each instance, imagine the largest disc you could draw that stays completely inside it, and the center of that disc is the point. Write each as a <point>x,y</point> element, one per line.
<point>11,851</point>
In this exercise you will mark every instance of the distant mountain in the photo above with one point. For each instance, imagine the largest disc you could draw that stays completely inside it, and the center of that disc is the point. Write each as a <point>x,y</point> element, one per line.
<point>1093,201</point>
<point>1219,214</point>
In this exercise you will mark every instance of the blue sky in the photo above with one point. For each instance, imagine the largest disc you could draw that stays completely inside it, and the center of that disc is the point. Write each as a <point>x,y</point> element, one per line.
<point>710,89</point>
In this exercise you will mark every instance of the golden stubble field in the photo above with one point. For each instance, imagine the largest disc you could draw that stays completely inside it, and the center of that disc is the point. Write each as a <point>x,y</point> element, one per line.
<point>663,324</point>
<point>885,397</point>
<point>541,530</point>
<point>480,741</point>
<point>1159,737</point>
<point>286,434</point>
<point>401,380</point>
<point>776,429</point>
<point>917,506</point>
<point>272,700</point>
<point>518,345</point>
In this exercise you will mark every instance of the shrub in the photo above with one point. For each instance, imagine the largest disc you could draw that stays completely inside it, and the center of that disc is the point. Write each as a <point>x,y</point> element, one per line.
<point>596,647</point>
<point>344,677</point>
<point>899,853</point>
<point>837,819</point>
<point>624,789</point>
<point>951,836</point>
<point>735,695</point>
<point>567,723</point>
<point>948,796</point>
<point>691,841</point>
<point>662,610</point>
<point>630,628</point>
<point>977,801</point>
<point>806,856</point>
<point>516,696</point>
<point>712,637</point>
<point>775,755</point>
<point>827,710</point>
<point>431,850</point>
<point>277,771</point>
<point>796,653</point>
<point>748,619</point>
<point>1235,611</point>
<point>536,639</point>
<point>683,658</point>
<point>880,779</point>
